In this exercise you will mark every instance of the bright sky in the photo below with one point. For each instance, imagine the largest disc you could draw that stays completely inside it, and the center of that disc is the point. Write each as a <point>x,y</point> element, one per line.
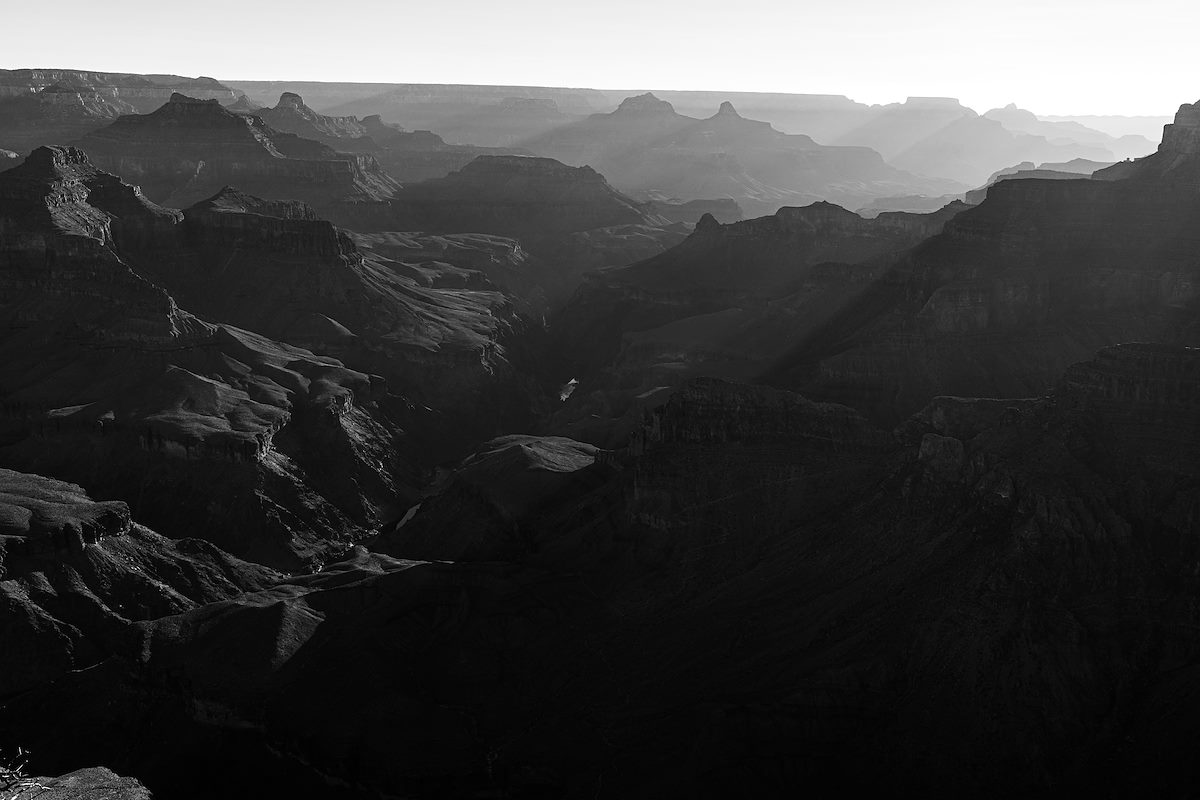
<point>1050,56</point>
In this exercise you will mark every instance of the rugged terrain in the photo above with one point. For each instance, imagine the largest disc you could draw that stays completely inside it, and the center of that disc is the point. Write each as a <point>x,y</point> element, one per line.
<point>508,484</point>
<point>206,429</point>
<point>1015,290</point>
<point>727,302</point>
<point>408,156</point>
<point>758,594</point>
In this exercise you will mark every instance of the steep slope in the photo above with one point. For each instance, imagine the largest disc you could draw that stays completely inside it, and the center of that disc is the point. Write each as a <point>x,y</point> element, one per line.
<point>291,115</point>
<point>645,146</point>
<point>206,430</point>
<point>1037,277</point>
<point>75,574</point>
<point>727,301</point>
<point>188,149</point>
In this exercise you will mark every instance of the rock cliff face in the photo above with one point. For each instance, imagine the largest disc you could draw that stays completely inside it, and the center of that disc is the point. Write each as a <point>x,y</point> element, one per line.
<point>76,573</point>
<point>644,146</point>
<point>725,302</point>
<point>91,782</point>
<point>188,149</point>
<point>290,115</point>
<point>142,92</point>
<point>1009,559</point>
<point>1149,393</point>
<point>1071,170</point>
<point>55,114</point>
<point>274,268</point>
<point>1036,278</point>
<point>99,360</point>
<point>478,516</point>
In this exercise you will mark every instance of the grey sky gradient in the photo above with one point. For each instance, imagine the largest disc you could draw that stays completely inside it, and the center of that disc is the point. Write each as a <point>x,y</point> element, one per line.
<point>1050,56</point>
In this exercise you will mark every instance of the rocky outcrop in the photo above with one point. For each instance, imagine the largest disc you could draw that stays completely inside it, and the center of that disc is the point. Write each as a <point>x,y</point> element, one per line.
<point>1177,162</point>
<point>188,149</point>
<point>291,115</point>
<point>96,782</point>
<point>479,514</point>
<point>76,573</point>
<point>645,147</point>
<point>100,360</point>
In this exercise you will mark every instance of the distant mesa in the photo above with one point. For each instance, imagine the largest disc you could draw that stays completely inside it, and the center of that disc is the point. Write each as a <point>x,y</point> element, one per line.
<point>645,103</point>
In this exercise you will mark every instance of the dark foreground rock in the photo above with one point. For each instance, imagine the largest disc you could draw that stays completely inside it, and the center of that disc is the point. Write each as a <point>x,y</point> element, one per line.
<point>96,783</point>
<point>758,595</point>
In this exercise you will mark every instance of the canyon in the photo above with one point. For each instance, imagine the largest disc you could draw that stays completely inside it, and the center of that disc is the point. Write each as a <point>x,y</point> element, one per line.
<point>512,442</point>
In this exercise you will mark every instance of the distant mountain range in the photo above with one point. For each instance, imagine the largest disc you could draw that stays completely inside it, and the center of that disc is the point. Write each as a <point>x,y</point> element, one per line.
<point>776,150</point>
